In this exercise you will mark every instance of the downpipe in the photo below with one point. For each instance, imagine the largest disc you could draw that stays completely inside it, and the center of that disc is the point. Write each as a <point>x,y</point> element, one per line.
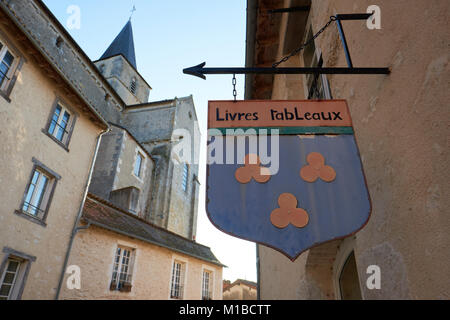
<point>77,228</point>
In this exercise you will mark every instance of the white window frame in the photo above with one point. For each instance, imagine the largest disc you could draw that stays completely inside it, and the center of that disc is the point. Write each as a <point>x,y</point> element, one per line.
<point>210,287</point>
<point>176,287</point>
<point>58,123</point>
<point>182,279</point>
<point>141,165</point>
<point>122,272</point>
<point>15,280</point>
<point>22,271</point>
<point>42,205</point>
<point>12,68</point>
<point>34,205</point>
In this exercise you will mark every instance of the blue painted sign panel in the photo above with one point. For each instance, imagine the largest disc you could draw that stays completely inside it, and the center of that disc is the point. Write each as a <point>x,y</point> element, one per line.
<point>288,191</point>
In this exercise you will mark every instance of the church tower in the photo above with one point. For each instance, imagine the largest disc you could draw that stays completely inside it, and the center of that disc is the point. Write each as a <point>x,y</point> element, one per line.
<point>118,66</point>
<point>145,138</point>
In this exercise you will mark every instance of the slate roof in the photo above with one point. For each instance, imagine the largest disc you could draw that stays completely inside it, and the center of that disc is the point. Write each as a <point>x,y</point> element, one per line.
<point>123,44</point>
<point>102,214</point>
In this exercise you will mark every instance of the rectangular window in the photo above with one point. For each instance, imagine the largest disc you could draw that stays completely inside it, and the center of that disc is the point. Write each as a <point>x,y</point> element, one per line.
<point>133,86</point>
<point>184,182</point>
<point>10,61</point>
<point>138,165</point>
<point>176,288</point>
<point>38,194</point>
<point>316,84</point>
<point>8,280</point>
<point>6,64</point>
<point>206,286</point>
<point>59,124</point>
<point>122,270</point>
<point>33,203</point>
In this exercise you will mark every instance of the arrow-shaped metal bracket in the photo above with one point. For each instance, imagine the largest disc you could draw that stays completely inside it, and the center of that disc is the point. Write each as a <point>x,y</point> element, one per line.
<point>200,70</point>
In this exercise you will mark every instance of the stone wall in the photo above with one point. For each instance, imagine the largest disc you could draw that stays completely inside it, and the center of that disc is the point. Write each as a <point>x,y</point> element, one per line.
<point>94,250</point>
<point>401,128</point>
<point>119,73</point>
<point>22,121</point>
<point>183,211</point>
<point>160,127</point>
<point>70,61</point>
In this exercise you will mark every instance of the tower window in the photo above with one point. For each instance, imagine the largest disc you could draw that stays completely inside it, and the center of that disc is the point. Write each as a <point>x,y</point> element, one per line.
<point>133,86</point>
<point>184,182</point>
<point>138,165</point>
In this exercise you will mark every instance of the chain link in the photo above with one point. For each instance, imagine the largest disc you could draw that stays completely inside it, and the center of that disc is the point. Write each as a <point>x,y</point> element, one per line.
<point>303,46</point>
<point>233,82</point>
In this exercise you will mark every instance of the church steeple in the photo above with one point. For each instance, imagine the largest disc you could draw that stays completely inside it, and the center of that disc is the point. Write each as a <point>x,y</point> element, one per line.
<point>118,66</point>
<point>123,44</point>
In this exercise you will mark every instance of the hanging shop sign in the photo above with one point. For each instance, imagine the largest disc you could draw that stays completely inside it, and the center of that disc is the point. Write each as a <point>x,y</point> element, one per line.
<point>285,174</point>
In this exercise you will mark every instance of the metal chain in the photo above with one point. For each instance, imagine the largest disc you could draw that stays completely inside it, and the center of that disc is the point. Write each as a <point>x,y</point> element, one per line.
<point>233,82</point>
<point>303,46</point>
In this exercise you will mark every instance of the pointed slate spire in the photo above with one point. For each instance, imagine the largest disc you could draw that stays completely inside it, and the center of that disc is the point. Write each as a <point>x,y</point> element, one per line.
<point>123,44</point>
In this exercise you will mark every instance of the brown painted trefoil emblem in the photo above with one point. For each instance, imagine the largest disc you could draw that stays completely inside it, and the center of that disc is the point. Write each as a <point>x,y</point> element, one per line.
<point>288,213</point>
<point>252,169</point>
<point>316,168</point>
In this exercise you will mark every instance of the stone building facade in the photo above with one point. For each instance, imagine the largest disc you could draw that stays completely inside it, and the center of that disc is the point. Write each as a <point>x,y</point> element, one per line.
<point>48,141</point>
<point>401,125</point>
<point>91,163</point>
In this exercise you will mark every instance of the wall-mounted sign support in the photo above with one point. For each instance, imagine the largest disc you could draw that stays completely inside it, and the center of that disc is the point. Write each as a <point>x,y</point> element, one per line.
<point>200,70</point>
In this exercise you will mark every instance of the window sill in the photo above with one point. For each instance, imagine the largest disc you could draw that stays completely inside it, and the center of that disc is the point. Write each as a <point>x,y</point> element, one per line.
<point>140,179</point>
<point>62,145</point>
<point>5,96</point>
<point>30,218</point>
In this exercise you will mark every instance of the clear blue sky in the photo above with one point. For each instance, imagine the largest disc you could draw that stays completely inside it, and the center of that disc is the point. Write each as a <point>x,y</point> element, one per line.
<point>170,36</point>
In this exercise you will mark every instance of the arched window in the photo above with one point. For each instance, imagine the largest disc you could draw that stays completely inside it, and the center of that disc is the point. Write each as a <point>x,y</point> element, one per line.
<point>348,280</point>
<point>133,85</point>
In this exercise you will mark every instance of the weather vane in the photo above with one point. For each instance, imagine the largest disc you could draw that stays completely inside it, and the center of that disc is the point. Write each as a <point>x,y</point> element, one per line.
<point>132,11</point>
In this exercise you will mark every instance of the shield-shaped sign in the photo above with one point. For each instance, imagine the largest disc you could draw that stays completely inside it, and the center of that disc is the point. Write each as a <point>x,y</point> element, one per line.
<point>285,174</point>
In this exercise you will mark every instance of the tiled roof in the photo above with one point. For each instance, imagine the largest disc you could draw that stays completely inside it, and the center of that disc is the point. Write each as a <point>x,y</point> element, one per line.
<point>240,281</point>
<point>102,214</point>
<point>246,282</point>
